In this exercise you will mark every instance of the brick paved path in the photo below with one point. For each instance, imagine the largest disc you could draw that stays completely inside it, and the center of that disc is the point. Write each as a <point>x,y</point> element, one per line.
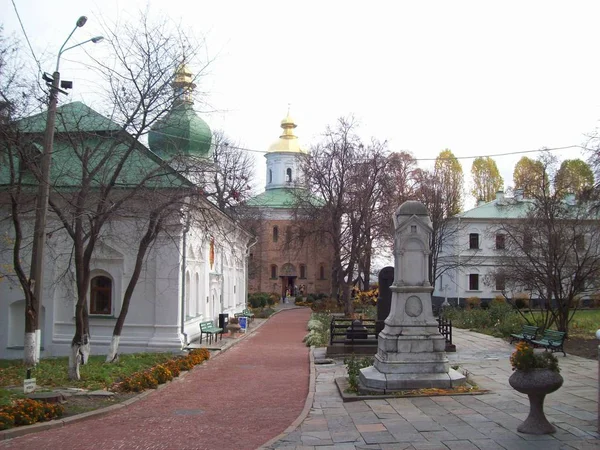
<point>239,400</point>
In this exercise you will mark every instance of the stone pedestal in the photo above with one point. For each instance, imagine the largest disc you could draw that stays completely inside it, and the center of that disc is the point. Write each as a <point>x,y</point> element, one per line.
<point>410,350</point>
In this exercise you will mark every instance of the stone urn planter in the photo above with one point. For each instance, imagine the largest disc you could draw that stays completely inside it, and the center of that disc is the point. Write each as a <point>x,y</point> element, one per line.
<point>536,383</point>
<point>233,327</point>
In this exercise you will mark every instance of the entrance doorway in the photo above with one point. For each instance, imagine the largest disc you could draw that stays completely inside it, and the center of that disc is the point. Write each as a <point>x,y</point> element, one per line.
<point>288,286</point>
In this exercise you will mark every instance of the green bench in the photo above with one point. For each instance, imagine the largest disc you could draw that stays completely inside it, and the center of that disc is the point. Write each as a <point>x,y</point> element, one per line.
<point>528,333</point>
<point>210,330</point>
<point>551,340</point>
<point>245,313</point>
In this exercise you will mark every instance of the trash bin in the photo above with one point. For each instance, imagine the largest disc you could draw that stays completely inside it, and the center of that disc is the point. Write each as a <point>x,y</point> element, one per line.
<point>223,321</point>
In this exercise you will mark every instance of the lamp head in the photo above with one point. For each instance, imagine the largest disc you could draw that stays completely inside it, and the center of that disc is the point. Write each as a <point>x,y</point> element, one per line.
<point>81,21</point>
<point>97,39</point>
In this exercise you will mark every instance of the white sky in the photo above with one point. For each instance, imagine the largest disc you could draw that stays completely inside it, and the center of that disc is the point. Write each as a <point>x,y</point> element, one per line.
<point>478,77</point>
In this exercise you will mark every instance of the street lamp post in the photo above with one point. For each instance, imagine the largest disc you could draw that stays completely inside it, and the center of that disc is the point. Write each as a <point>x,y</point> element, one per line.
<point>32,316</point>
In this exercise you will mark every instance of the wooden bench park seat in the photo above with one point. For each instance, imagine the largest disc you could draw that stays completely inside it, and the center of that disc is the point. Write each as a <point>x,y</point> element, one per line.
<point>210,330</point>
<point>245,313</point>
<point>551,340</point>
<point>528,333</point>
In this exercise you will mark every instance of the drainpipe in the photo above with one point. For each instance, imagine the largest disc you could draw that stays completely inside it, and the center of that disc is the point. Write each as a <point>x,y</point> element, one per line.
<point>222,282</point>
<point>458,271</point>
<point>247,257</point>
<point>183,270</point>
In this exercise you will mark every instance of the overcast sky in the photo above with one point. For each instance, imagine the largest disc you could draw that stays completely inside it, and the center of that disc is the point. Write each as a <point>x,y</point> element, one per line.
<point>478,77</point>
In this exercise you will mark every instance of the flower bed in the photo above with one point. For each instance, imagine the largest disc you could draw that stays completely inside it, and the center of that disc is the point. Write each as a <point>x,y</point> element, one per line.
<point>26,411</point>
<point>161,373</point>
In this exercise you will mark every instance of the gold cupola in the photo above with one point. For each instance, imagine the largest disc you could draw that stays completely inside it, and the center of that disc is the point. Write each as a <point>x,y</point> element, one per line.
<point>288,141</point>
<point>183,84</point>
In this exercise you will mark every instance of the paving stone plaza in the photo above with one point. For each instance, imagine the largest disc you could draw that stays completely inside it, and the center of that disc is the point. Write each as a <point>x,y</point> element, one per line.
<point>487,421</point>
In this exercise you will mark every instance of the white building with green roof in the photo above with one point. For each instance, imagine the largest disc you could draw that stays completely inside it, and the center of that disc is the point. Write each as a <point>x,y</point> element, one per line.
<point>472,253</point>
<point>193,273</point>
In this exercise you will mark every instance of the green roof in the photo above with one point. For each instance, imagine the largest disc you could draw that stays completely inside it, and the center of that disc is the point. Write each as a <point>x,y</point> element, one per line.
<point>69,117</point>
<point>274,198</point>
<point>509,208</point>
<point>181,132</point>
<point>79,127</point>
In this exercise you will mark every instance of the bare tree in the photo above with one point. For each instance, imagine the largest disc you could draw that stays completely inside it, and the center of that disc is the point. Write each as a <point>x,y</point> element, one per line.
<point>233,169</point>
<point>341,204</point>
<point>440,191</point>
<point>105,170</point>
<point>552,249</point>
<point>400,185</point>
<point>20,169</point>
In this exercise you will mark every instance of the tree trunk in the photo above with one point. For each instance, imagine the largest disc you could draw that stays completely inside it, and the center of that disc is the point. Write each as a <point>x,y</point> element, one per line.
<point>154,227</point>
<point>112,356</point>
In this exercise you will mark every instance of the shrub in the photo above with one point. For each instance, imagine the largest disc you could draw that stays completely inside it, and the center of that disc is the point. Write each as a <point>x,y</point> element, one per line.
<point>26,411</point>
<point>272,299</point>
<point>299,299</point>
<point>6,420</point>
<point>473,302</point>
<point>521,300</point>
<point>161,374</point>
<point>318,327</point>
<point>353,365</point>
<point>173,367</point>
<point>258,299</point>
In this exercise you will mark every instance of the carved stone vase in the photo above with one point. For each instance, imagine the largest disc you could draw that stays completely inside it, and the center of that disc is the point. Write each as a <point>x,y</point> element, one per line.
<point>536,383</point>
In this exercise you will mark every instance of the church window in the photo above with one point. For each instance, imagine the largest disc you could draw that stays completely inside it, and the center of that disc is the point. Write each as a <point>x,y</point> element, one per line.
<point>275,233</point>
<point>288,234</point>
<point>500,282</point>
<point>302,271</point>
<point>474,241</point>
<point>270,176</point>
<point>101,295</point>
<point>288,174</point>
<point>322,272</point>
<point>474,282</point>
<point>273,271</point>
<point>500,242</point>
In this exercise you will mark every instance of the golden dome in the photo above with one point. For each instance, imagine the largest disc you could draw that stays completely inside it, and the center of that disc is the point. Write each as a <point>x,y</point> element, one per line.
<point>288,141</point>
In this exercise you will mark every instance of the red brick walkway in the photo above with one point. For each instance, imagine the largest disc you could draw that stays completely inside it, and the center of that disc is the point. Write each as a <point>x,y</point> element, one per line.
<point>239,400</point>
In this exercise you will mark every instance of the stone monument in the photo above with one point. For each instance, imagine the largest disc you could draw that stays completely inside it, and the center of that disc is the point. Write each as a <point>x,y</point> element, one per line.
<point>410,349</point>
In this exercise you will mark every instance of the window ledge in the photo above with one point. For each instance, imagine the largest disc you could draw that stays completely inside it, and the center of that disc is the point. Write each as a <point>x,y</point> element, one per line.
<point>100,316</point>
<point>473,290</point>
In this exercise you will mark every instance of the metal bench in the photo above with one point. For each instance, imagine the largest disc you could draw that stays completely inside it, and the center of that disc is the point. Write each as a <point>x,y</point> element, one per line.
<point>551,340</point>
<point>210,330</point>
<point>528,333</point>
<point>245,313</point>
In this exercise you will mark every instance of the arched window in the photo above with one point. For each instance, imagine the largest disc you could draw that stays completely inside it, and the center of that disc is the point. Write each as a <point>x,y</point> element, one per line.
<point>273,271</point>
<point>321,272</point>
<point>302,271</point>
<point>101,295</point>
<point>270,176</point>
<point>275,233</point>
<point>288,174</point>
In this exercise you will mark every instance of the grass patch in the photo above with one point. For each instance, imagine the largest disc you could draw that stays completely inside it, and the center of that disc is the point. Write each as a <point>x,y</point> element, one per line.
<point>501,320</point>
<point>53,372</point>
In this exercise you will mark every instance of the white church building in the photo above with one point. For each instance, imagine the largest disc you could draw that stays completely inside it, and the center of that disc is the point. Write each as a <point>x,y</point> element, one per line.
<point>195,272</point>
